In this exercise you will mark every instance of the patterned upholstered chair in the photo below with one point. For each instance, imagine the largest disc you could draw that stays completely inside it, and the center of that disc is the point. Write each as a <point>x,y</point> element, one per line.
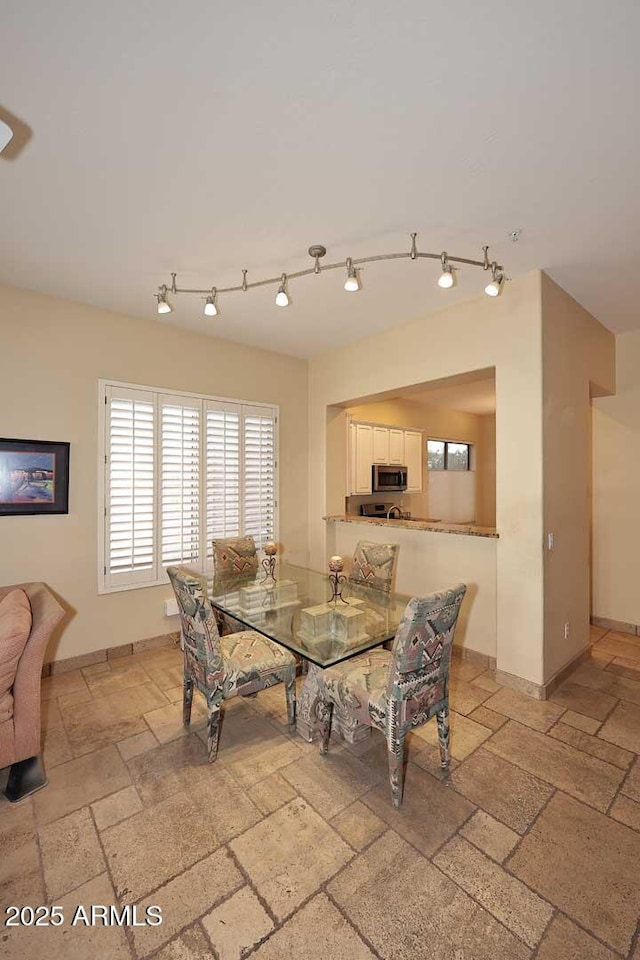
<point>222,667</point>
<point>374,565</point>
<point>235,560</point>
<point>395,691</point>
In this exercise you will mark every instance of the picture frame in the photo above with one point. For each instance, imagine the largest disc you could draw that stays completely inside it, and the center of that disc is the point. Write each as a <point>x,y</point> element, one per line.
<point>34,477</point>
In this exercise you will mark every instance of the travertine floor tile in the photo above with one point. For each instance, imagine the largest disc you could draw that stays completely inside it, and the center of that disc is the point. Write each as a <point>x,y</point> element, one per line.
<point>584,777</point>
<point>317,932</point>
<point>565,941</point>
<point>56,748</point>
<point>431,811</point>
<point>165,673</point>
<point>464,697</point>
<point>121,676</point>
<point>289,855</point>
<point>623,727</point>
<point>608,682</point>
<point>117,807</point>
<point>175,833</point>
<point>487,682</point>
<point>594,746</point>
<point>50,715</point>
<point>108,719</point>
<point>539,714</point>
<point>524,913</point>
<point>21,880</point>
<point>626,811</point>
<point>488,718</point>
<point>466,669</point>
<point>104,666</point>
<point>584,700</point>
<point>466,734</point>
<point>490,835</point>
<point>187,897</point>
<point>134,746</point>
<point>358,825</point>
<point>631,785</point>
<point>619,645</point>
<point>625,668</point>
<point>585,864</point>
<point>173,766</point>
<point>17,825</point>
<point>190,945</point>
<point>71,853</point>
<point>427,756</point>
<point>596,633</point>
<point>408,908</point>
<point>252,749</point>
<point>271,793</point>
<point>166,722</point>
<point>580,721</point>
<point>237,925</point>
<point>61,684</point>
<point>79,782</point>
<point>332,782</point>
<point>501,789</point>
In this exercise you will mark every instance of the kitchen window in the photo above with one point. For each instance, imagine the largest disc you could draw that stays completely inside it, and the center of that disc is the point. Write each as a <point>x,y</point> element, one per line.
<point>448,455</point>
<point>179,470</point>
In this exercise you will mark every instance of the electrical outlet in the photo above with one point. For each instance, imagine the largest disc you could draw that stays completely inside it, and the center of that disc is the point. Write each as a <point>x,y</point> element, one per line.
<point>566,630</point>
<point>550,541</point>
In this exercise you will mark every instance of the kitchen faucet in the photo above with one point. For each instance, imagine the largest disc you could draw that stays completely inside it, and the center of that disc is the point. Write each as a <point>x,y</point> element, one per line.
<point>391,509</point>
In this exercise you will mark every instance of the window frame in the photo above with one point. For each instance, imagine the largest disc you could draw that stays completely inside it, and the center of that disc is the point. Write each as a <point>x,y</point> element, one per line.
<point>205,566</point>
<point>447,468</point>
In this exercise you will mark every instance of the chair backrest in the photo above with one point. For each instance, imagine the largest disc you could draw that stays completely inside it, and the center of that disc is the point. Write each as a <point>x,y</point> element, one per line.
<point>235,556</point>
<point>374,565</point>
<point>422,647</point>
<point>199,629</point>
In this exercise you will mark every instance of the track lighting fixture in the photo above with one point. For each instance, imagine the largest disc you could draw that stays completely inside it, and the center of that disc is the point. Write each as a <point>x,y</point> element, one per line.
<point>494,287</point>
<point>210,309</point>
<point>163,304</point>
<point>282,297</point>
<point>447,277</point>
<point>352,283</point>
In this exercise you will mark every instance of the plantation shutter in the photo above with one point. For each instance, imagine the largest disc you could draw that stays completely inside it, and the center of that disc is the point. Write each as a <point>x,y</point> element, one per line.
<point>259,473</point>
<point>180,480</point>
<point>130,486</point>
<point>222,471</point>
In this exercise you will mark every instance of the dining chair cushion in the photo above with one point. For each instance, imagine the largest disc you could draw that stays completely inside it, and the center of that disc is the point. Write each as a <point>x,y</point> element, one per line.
<point>359,686</point>
<point>373,565</point>
<point>235,556</point>
<point>249,656</point>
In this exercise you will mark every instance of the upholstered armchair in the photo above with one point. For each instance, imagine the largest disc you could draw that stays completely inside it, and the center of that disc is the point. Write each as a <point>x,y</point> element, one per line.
<point>235,561</point>
<point>396,690</point>
<point>238,664</point>
<point>20,676</point>
<point>374,565</point>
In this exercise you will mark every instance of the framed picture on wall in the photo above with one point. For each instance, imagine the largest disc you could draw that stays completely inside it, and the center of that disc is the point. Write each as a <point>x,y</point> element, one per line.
<point>34,477</point>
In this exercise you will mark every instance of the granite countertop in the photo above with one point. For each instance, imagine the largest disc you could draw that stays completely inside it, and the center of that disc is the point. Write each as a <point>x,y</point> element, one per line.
<point>433,526</point>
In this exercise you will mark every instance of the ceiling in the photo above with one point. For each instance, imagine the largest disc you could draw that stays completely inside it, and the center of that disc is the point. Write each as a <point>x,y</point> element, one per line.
<point>476,396</point>
<point>203,138</point>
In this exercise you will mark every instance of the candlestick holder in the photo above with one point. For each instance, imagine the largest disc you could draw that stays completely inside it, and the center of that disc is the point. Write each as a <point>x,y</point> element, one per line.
<point>336,579</point>
<point>269,562</point>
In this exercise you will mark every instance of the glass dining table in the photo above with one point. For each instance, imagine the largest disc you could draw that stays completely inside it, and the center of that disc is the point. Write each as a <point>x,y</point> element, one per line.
<point>294,607</point>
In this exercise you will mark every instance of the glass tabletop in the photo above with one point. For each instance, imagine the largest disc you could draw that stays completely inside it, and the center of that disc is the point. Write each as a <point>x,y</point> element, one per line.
<point>296,611</point>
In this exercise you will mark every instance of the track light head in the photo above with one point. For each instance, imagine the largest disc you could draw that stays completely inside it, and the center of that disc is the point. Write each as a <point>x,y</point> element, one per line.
<point>210,308</point>
<point>352,283</point>
<point>163,304</point>
<point>282,297</point>
<point>447,278</point>
<point>495,285</point>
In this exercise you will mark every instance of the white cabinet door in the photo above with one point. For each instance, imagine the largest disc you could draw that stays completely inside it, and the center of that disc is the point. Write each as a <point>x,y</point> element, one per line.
<point>396,446</point>
<point>380,445</point>
<point>363,458</point>
<point>413,459</point>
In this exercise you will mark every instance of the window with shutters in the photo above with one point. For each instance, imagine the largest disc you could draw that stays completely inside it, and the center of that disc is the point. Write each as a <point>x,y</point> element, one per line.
<point>179,471</point>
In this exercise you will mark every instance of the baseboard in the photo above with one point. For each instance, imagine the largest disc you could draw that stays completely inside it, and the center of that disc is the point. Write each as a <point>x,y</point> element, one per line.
<point>110,653</point>
<point>542,691</point>
<point>464,653</point>
<point>620,626</point>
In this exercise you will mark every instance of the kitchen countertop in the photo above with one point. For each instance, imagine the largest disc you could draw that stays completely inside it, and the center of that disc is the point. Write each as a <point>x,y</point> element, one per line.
<point>433,526</point>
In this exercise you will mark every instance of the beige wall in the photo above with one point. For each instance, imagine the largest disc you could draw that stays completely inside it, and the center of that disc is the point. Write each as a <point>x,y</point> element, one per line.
<point>487,473</point>
<point>52,354</point>
<point>442,423</point>
<point>578,362</point>
<point>505,333</point>
<point>616,490</point>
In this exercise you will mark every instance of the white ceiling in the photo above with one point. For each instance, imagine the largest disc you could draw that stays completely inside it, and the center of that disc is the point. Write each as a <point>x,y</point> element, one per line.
<point>206,137</point>
<point>476,396</point>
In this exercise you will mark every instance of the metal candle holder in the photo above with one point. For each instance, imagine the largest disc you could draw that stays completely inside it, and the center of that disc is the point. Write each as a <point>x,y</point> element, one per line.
<point>269,562</point>
<point>336,579</point>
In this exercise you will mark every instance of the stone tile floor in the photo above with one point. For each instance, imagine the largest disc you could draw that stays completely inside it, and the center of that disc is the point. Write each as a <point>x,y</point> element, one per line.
<point>528,849</point>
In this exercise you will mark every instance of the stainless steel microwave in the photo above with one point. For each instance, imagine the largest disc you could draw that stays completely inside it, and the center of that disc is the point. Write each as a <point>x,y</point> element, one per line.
<point>388,479</point>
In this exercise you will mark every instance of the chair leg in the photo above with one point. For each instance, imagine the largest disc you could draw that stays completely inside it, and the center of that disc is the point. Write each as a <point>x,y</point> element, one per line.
<point>187,698</point>
<point>442,718</point>
<point>395,749</point>
<point>324,713</point>
<point>213,730</point>
<point>290,693</point>
<point>25,777</point>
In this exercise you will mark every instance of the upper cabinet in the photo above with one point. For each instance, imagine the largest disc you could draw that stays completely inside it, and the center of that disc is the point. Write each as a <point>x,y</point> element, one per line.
<point>370,443</point>
<point>413,460</point>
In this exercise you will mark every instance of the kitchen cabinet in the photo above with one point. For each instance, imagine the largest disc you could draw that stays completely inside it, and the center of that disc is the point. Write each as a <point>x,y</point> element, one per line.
<point>361,457</point>
<point>413,460</point>
<point>380,445</point>
<point>396,446</point>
